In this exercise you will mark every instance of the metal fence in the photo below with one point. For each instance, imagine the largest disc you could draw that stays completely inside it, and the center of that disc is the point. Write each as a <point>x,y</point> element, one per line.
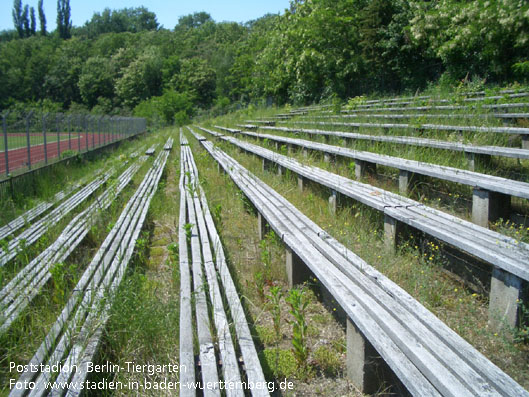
<point>31,140</point>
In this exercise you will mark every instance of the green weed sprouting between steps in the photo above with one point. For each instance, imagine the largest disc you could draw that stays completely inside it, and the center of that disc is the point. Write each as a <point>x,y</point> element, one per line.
<point>298,304</point>
<point>188,227</point>
<point>62,276</point>
<point>275,302</point>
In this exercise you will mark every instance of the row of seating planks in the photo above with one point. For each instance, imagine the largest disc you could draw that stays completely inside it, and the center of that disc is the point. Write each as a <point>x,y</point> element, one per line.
<point>75,336</point>
<point>383,320</point>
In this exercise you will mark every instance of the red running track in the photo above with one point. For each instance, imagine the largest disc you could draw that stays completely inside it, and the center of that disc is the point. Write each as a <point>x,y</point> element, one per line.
<point>18,158</point>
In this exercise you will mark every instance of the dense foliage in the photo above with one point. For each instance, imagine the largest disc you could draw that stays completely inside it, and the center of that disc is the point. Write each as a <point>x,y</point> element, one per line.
<point>122,61</point>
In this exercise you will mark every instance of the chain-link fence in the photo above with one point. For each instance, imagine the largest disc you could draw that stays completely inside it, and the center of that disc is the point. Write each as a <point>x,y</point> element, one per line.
<point>31,140</point>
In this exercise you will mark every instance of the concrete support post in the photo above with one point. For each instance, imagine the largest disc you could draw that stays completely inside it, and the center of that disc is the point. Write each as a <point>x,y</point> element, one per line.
<point>474,158</point>
<point>361,360</point>
<point>289,150</point>
<point>297,271</point>
<point>262,226</point>
<point>525,141</point>
<point>471,159</point>
<point>301,183</point>
<point>220,169</point>
<point>391,231</point>
<point>327,157</point>
<point>505,292</point>
<point>489,206</point>
<point>333,202</point>
<point>305,153</point>
<point>407,181</point>
<point>277,146</point>
<point>280,170</point>
<point>362,168</point>
<point>265,164</point>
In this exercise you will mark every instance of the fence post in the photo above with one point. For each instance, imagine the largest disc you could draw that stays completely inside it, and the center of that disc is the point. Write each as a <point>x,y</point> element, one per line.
<point>69,132</point>
<point>99,124</point>
<point>44,137</point>
<point>78,128</point>
<point>6,147</point>
<point>58,136</point>
<point>92,132</point>
<point>104,131</point>
<point>28,142</point>
<point>85,128</point>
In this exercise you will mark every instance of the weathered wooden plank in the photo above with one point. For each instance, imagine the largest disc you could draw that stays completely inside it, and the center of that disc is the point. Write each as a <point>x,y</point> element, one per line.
<point>150,151</point>
<point>401,364</point>
<point>442,108</point>
<point>424,97</point>
<point>398,116</point>
<point>425,126</point>
<point>468,100</point>
<point>187,357</point>
<point>28,216</point>
<point>253,368</point>
<point>88,339</point>
<point>230,365</point>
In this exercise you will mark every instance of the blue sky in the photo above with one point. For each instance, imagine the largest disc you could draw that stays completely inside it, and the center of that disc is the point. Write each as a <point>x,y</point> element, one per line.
<point>167,11</point>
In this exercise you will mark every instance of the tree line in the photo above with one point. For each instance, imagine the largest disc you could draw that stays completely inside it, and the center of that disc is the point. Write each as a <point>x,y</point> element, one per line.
<point>26,24</point>
<point>124,62</point>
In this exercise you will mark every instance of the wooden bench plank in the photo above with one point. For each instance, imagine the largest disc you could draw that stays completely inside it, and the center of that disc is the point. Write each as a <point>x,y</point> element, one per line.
<point>37,229</point>
<point>424,142</point>
<point>187,357</point>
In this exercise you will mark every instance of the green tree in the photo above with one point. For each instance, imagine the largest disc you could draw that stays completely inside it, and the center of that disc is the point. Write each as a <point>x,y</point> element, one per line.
<point>166,109</point>
<point>476,38</point>
<point>125,20</point>
<point>64,23</point>
<point>198,79</point>
<point>33,22</point>
<point>25,21</point>
<point>18,20</point>
<point>141,79</point>
<point>96,80</point>
<point>61,81</point>
<point>42,18</point>
<point>193,20</point>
